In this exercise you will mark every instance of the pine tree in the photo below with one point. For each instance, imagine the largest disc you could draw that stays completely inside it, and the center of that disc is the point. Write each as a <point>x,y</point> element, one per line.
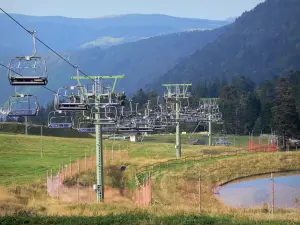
<point>284,114</point>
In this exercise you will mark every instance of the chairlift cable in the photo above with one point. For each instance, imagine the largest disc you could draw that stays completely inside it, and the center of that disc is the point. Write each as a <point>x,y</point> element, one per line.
<point>47,46</point>
<point>22,76</point>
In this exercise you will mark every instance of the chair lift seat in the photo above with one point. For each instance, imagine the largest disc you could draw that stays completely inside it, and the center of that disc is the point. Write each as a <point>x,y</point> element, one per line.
<point>28,80</point>
<point>87,130</point>
<point>72,106</point>
<point>23,112</point>
<point>60,125</point>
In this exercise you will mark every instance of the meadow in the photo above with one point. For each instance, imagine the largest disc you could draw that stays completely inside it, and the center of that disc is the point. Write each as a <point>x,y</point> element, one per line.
<point>23,190</point>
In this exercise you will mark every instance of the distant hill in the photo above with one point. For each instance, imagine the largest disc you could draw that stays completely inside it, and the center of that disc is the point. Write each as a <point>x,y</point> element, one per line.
<point>142,61</point>
<point>103,32</point>
<point>262,43</point>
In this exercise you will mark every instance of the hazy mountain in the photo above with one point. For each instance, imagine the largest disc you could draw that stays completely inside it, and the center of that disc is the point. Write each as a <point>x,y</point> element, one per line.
<point>65,34</point>
<point>262,43</point>
<point>142,61</point>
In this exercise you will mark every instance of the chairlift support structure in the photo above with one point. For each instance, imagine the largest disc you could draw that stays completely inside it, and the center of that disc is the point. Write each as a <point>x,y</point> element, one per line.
<point>176,92</point>
<point>99,95</point>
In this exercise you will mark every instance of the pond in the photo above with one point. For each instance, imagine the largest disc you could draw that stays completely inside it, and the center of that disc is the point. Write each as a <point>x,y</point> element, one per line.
<point>257,191</point>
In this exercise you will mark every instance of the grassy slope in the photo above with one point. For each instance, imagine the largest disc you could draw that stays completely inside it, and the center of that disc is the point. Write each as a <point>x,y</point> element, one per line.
<point>20,156</point>
<point>21,162</point>
<point>240,141</point>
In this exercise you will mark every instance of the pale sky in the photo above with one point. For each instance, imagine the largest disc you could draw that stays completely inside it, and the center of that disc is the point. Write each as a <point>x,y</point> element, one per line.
<point>205,9</point>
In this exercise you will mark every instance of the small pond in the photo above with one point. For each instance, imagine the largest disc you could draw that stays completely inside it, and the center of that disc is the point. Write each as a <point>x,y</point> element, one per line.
<point>257,191</point>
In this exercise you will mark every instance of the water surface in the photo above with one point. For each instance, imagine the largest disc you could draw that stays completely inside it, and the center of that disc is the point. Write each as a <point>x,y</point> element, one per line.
<point>257,191</point>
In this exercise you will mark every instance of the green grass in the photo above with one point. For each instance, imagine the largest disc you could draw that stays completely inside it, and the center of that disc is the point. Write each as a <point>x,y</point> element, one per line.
<point>238,141</point>
<point>136,219</point>
<point>21,161</point>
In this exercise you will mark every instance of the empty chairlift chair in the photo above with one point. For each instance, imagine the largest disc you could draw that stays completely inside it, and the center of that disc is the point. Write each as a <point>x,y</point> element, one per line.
<point>60,120</point>
<point>86,127</point>
<point>70,98</point>
<point>23,105</point>
<point>28,70</point>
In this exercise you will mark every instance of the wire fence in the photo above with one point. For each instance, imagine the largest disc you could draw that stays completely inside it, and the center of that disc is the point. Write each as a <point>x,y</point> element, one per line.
<point>265,194</point>
<point>72,183</point>
<point>157,184</point>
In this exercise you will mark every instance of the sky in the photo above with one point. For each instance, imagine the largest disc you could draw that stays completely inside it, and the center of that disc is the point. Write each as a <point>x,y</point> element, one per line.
<point>205,9</point>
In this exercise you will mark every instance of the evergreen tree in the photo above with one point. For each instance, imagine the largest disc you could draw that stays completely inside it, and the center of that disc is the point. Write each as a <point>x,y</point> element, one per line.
<point>266,94</point>
<point>285,117</point>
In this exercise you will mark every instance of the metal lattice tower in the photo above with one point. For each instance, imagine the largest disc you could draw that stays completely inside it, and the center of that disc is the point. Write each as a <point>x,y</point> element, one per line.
<point>209,111</point>
<point>99,92</point>
<point>175,93</point>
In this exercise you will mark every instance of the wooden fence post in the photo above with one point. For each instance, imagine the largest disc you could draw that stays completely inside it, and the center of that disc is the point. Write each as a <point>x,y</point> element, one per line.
<point>70,167</point>
<point>85,162</point>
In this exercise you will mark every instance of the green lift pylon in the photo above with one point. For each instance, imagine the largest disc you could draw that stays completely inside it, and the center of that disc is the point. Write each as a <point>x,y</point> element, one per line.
<point>98,127</point>
<point>176,92</point>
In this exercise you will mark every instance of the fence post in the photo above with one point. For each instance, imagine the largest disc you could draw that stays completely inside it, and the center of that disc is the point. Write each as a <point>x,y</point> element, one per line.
<point>85,163</point>
<point>62,170</point>
<point>150,190</point>
<point>78,170</point>
<point>200,192</point>
<point>92,158</point>
<point>78,166</point>
<point>70,167</point>
<point>112,152</point>
<point>273,197</point>
<point>57,184</point>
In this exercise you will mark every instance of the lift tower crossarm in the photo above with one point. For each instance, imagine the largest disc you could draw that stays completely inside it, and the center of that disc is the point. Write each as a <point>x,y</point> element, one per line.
<point>116,77</point>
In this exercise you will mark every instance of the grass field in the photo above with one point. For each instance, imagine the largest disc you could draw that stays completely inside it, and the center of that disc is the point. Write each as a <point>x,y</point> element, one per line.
<point>21,161</point>
<point>237,141</point>
<point>23,171</point>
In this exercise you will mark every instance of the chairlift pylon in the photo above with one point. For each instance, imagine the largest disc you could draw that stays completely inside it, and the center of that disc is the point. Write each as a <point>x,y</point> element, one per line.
<point>31,70</point>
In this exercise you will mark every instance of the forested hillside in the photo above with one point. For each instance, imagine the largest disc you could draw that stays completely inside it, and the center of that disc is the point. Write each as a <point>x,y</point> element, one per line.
<point>272,105</point>
<point>261,43</point>
<point>141,61</point>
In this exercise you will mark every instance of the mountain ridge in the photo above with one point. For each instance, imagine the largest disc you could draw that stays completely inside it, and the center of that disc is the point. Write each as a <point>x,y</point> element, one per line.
<point>56,30</point>
<point>261,43</point>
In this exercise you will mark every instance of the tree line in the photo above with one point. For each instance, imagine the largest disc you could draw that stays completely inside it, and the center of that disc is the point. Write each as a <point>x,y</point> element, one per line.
<point>246,107</point>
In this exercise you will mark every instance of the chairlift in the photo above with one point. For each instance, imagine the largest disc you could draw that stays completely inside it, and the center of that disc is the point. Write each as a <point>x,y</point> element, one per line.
<point>70,98</point>
<point>191,120</point>
<point>108,114</point>
<point>60,120</point>
<point>86,127</point>
<point>23,105</point>
<point>28,70</point>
